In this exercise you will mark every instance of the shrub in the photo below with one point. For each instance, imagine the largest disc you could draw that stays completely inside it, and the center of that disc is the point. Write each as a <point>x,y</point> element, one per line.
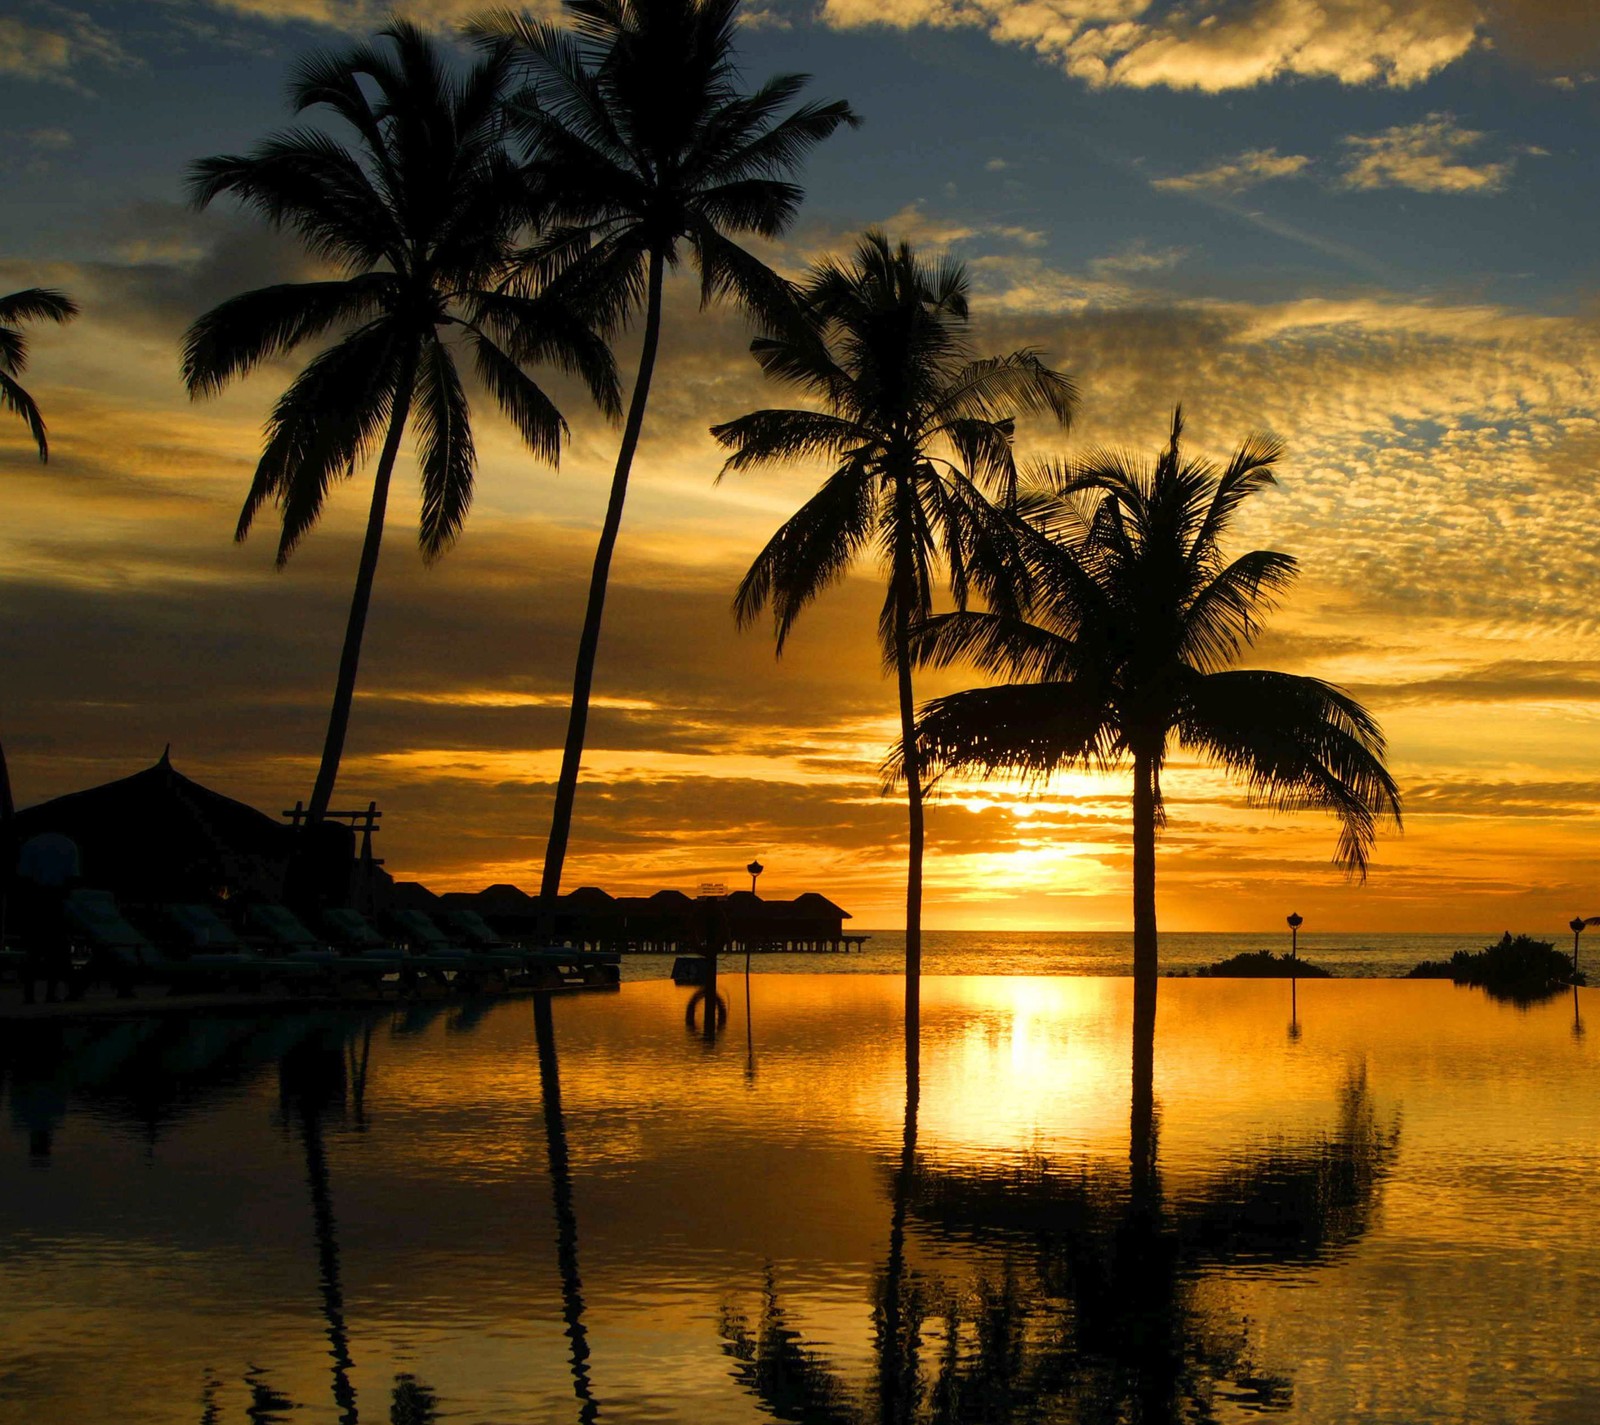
<point>1264,965</point>
<point>1521,969</point>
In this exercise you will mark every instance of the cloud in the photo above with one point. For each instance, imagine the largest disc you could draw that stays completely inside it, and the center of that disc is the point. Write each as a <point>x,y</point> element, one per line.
<point>32,150</point>
<point>1234,175</point>
<point>1137,257</point>
<point>1427,156</point>
<point>1139,44</point>
<point>364,16</point>
<point>920,228</point>
<point>57,44</point>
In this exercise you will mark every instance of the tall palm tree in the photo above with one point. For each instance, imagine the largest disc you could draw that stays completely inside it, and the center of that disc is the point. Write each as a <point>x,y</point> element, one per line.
<point>32,304</point>
<point>1135,618</point>
<point>422,217</point>
<point>645,148</point>
<point>917,430</point>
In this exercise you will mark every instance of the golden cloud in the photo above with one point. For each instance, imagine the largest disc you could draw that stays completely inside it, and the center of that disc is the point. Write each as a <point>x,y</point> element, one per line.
<point>1136,44</point>
<point>1428,156</point>
<point>1234,175</point>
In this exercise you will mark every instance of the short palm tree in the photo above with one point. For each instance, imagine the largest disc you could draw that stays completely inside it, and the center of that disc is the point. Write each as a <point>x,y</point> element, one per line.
<point>917,431</point>
<point>645,148</point>
<point>32,304</point>
<point>1125,654</point>
<point>422,217</point>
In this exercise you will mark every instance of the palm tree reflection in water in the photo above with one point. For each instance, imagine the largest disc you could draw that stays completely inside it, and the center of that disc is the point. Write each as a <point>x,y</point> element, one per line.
<point>555,1133</point>
<point>311,1082</point>
<point>1089,1308</point>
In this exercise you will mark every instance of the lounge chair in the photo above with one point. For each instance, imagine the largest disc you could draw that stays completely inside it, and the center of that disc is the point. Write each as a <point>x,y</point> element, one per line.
<point>471,929</point>
<point>281,933</point>
<point>199,928</point>
<point>128,954</point>
<point>353,934</point>
<point>423,935</point>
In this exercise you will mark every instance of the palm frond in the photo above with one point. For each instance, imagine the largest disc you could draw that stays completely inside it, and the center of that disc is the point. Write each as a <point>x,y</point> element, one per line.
<point>772,437</point>
<point>1225,616</point>
<point>14,398</point>
<point>1025,730</point>
<point>1299,744</point>
<point>237,335</point>
<point>995,644</point>
<point>521,399</point>
<point>811,551</point>
<point>36,304</point>
<point>446,455</point>
<point>321,428</point>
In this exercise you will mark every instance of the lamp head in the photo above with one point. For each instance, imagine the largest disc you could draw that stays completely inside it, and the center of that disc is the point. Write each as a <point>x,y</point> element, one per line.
<point>755,868</point>
<point>1295,920</point>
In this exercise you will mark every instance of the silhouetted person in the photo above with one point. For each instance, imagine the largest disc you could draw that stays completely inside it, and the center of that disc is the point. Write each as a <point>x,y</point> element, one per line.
<point>48,867</point>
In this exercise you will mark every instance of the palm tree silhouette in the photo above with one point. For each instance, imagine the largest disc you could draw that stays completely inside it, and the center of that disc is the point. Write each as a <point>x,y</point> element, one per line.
<point>422,217</point>
<point>642,145</point>
<point>1135,618</point>
<point>918,429</point>
<point>32,304</point>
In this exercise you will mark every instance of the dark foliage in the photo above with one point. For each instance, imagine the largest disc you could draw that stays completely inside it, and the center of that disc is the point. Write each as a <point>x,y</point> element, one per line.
<point>1520,969</point>
<point>1264,965</point>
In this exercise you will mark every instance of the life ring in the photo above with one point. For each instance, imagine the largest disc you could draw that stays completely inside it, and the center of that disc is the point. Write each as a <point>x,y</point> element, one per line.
<point>697,999</point>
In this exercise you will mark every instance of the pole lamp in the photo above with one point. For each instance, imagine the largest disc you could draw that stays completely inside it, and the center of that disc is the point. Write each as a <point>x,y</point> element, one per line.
<point>1295,922</point>
<point>1577,925</point>
<point>755,868</point>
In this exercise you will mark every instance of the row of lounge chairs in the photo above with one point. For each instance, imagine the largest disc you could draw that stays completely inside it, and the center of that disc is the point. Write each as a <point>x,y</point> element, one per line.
<point>191,946</point>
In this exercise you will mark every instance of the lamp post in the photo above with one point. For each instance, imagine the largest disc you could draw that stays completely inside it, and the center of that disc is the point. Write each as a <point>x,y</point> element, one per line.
<point>1295,922</point>
<point>755,868</point>
<point>1577,925</point>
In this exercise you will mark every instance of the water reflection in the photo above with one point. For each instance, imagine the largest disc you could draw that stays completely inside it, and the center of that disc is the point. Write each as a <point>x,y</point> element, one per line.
<point>1095,1303</point>
<point>1056,1213</point>
<point>311,1083</point>
<point>555,1133</point>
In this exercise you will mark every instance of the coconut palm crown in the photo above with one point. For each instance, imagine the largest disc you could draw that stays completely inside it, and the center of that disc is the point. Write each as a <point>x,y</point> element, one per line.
<point>645,149</point>
<point>918,431</point>
<point>422,217</point>
<point>1124,653</point>
<point>32,304</point>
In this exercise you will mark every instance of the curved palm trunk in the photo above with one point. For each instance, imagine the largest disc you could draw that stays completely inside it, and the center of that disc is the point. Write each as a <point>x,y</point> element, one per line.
<point>1144,889</point>
<point>913,775</point>
<point>555,854</point>
<point>344,690</point>
<point>555,1137</point>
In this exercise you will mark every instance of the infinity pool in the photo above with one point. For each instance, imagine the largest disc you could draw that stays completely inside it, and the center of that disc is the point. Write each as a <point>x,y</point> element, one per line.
<point>1375,1203</point>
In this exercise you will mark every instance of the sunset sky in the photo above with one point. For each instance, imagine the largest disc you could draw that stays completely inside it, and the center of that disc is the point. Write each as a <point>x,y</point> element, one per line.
<point>1365,225</point>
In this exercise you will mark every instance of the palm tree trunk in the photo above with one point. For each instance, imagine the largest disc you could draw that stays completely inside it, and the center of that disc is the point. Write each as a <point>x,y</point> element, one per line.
<point>8,807</point>
<point>555,854</point>
<point>913,773</point>
<point>555,1138</point>
<point>1144,889</point>
<point>344,690</point>
<point>896,1350</point>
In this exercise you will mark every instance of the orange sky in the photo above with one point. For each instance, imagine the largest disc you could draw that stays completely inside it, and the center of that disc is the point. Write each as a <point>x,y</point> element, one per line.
<point>1438,493</point>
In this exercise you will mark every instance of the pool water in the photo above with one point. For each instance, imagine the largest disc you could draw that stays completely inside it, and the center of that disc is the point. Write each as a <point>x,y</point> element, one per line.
<point>1373,1202</point>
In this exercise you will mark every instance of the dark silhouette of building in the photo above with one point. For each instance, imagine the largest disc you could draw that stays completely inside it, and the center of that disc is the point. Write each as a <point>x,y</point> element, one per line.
<point>666,922</point>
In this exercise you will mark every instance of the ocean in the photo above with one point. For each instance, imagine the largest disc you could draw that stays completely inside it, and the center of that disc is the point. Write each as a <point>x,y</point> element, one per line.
<point>1365,955</point>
